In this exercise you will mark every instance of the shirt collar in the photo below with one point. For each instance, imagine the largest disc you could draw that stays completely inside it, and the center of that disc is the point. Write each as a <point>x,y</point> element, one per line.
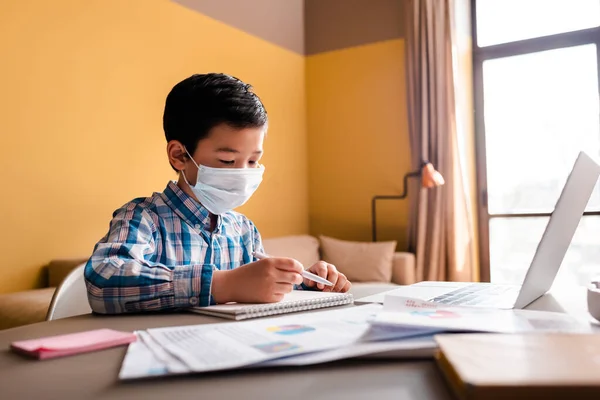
<point>188,208</point>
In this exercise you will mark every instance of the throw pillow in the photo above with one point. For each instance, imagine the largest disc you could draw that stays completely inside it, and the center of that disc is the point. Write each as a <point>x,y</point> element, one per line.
<point>360,261</point>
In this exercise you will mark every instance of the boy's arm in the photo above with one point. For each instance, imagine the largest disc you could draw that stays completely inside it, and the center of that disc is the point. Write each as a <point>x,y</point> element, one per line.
<point>121,278</point>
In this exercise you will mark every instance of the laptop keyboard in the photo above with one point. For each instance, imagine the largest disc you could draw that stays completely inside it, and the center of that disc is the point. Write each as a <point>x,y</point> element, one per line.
<point>480,295</point>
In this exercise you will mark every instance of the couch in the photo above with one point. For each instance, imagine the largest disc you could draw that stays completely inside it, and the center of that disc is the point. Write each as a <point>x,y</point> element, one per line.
<point>31,306</point>
<point>305,249</point>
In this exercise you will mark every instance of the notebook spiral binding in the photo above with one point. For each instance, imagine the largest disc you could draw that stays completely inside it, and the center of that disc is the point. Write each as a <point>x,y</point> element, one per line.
<point>302,305</point>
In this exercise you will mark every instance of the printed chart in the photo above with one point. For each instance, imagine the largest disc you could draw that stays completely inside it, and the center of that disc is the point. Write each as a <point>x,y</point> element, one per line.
<point>290,329</point>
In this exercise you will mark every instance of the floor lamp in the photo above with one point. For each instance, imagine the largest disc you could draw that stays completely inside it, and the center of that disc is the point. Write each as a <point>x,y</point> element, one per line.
<point>430,178</point>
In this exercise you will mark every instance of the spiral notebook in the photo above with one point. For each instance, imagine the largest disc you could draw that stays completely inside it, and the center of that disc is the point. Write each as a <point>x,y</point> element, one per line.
<point>297,300</point>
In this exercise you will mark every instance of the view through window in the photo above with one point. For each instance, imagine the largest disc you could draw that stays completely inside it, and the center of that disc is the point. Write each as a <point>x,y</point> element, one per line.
<point>537,99</point>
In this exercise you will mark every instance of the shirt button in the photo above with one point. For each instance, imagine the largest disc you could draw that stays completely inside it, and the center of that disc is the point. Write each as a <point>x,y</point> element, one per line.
<point>193,301</point>
<point>198,226</point>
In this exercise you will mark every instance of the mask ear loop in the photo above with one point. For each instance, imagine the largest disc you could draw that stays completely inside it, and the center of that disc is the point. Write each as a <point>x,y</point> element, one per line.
<point>183,171</point>
<point>184,178</point>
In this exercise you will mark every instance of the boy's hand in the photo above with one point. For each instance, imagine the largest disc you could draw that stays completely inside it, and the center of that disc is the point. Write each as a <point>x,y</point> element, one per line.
<point>263,281</point>
<point>329,272</point>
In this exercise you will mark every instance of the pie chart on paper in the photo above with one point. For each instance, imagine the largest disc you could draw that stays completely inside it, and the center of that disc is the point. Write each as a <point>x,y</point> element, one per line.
<point>290,329</point>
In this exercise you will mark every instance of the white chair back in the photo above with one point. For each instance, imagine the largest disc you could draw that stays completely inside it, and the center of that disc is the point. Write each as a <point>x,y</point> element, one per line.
<point>70,298</point>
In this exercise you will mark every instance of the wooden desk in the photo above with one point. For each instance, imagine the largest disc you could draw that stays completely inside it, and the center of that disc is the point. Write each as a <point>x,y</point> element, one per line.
<point>94,375</point>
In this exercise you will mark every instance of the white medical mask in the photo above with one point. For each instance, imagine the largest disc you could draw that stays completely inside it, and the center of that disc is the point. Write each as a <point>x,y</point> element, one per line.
<point>223,189</point>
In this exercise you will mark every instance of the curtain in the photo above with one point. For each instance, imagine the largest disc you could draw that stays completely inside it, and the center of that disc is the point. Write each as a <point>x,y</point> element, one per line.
<point>440,222</point>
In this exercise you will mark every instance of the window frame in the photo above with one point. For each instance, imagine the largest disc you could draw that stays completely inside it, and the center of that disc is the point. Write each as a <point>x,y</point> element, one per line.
<point>481,54</point>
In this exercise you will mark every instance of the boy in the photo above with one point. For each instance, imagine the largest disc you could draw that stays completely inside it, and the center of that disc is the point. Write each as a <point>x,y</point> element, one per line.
<point>185,247</point>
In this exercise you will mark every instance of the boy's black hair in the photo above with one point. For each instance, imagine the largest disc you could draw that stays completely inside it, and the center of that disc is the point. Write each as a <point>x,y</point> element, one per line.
<point>199,103</point>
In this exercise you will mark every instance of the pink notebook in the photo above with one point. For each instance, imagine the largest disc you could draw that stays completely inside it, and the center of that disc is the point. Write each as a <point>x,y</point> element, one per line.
<point>73,343</point>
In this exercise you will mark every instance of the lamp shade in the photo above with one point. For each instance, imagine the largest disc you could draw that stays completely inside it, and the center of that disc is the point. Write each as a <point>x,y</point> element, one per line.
<point>430,177</point>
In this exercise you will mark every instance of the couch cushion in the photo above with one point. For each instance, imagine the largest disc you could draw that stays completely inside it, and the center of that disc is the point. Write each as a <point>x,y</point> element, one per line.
<point>303,248</point>
<point>360,261</point>
<point>403,268</point>
<point>26,307</point>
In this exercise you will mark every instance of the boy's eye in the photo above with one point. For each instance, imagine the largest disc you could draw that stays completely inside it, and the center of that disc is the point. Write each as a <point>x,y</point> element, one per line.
<point>227,162</point>
<point>252,162</point>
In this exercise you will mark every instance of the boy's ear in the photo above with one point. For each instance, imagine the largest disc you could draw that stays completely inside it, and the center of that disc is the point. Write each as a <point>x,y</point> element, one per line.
<point>177,155</point>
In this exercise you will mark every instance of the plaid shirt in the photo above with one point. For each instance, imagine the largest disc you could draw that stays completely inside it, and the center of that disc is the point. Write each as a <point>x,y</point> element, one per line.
<point>159,254</point>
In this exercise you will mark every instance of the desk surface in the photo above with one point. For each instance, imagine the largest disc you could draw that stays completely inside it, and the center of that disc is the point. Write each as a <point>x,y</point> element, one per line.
<point>94,375</point>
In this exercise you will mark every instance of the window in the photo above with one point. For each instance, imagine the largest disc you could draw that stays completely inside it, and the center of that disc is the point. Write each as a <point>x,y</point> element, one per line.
<point>505,21</point>
<point>537,105</point>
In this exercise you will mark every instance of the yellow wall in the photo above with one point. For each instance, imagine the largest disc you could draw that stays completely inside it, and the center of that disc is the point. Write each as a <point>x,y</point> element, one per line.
<point>83,85</point>
<point>358,140</point>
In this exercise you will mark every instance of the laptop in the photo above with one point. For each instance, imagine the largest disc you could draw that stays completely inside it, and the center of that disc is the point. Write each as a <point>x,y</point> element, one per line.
<point>544,266</point>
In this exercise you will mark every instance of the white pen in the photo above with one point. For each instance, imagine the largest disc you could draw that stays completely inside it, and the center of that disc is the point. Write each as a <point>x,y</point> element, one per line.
<point>305,273</point>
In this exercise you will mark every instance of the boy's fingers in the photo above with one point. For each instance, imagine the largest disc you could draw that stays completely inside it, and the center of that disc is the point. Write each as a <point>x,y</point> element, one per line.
<point>332,276</point>
<point>346,287</point>
<point>309,283</point>
<point>289,264</point>
<point>320,269</point>
<point>283,288</point>
<point>341,282</point>
<point>289,277</point>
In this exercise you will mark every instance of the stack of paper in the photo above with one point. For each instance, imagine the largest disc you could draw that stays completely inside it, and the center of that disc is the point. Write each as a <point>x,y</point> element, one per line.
<point>405,313</point>
<point>401,328</point>
<point>291,340</point>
